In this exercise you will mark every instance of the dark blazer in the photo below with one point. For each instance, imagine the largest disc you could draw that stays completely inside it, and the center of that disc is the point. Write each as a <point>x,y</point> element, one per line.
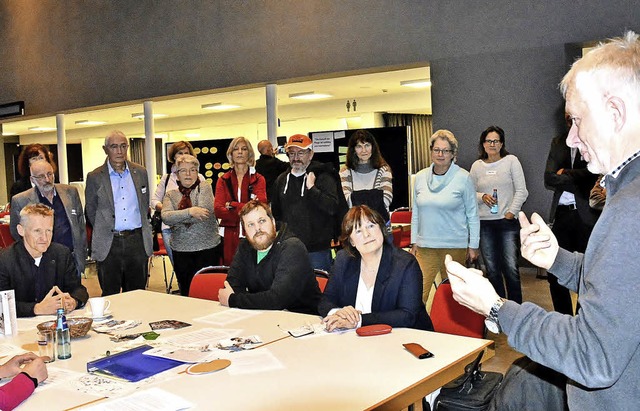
<point>73,208</point>
<point>100,210</point>
<point>57,267</point>
<point>577,180</point>
<point>397,294</point>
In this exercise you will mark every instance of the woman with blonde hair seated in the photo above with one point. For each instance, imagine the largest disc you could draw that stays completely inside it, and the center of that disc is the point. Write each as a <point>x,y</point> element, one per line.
<point>372,281</point>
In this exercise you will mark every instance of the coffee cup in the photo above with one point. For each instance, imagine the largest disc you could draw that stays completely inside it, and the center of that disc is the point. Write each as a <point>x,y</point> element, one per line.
<point>99,306</point>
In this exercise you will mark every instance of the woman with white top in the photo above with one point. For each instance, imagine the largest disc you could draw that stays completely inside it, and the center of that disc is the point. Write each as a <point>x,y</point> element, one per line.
<point>372,281</point>
<point>444,218</point>
<point>498,170</point>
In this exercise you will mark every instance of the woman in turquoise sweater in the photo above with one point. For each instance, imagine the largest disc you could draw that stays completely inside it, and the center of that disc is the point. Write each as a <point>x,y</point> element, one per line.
<point>445,213</point>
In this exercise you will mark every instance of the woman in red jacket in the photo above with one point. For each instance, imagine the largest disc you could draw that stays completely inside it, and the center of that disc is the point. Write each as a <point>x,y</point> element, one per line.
<point>234,189</point>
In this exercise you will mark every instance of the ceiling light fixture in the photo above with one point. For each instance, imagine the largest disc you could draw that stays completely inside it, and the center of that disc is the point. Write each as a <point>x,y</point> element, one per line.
<point>219,106</point>
<point>39,128</point>
<point>309,95</point>
<point>90,123</point>
<point>420,83</point>
<point>8,133</point>
<point>141,115</point>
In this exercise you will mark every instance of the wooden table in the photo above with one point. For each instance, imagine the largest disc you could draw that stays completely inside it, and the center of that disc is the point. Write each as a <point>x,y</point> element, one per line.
<point>332,372</point>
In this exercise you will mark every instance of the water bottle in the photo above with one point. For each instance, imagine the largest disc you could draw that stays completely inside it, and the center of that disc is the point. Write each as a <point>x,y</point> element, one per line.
<point>494,207</point>
<point>63,337</point>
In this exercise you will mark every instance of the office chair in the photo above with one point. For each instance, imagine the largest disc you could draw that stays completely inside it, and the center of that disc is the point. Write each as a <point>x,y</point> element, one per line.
<point>401,239</point>
<point>452,318</point>
<point>208,281</point>
<point>321,277</point>
<point>162,253</point>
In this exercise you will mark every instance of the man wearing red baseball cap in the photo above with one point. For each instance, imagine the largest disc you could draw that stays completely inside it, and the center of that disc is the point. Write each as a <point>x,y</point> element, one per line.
<point>306,199</point>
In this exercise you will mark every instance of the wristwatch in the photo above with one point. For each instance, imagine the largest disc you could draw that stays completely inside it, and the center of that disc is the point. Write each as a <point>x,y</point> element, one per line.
<point>491,322</point>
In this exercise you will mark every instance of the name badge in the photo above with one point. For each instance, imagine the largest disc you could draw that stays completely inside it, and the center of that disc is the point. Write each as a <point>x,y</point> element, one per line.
<point>144,190</point>
<point>491,172</point>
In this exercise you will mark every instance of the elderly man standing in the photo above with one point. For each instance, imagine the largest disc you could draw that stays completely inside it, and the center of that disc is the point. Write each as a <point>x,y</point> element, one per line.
<point>69,225</point>
<point>306,198</point>
<point>271,269</point>
<point>43,274</point>
<point>117,201</point>
<point>598,349</point>
<point>269,165</point>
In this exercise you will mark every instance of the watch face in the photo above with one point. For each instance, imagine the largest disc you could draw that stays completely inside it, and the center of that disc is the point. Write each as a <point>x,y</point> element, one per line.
<point>492,326</point>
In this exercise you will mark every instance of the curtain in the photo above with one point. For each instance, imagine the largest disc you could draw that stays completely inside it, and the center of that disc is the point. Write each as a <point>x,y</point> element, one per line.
<point>136,147</point>
<point>421,130</point>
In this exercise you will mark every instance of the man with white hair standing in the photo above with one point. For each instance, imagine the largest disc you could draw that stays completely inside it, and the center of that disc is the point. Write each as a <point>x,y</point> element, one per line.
<point>117,205</point>
<point>598,350</point>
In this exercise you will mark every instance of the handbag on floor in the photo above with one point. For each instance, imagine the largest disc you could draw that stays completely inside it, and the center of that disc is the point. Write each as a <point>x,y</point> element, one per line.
<point>471,391</point>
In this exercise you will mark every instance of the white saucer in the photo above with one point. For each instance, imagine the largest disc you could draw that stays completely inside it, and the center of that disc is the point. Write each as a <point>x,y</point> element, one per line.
<point>106,315</point>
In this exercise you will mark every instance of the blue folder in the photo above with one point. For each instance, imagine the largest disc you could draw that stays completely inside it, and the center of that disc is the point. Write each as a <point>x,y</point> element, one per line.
<point>131,365</point>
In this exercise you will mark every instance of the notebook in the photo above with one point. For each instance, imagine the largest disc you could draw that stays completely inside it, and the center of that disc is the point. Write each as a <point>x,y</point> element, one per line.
<point>131,365</point>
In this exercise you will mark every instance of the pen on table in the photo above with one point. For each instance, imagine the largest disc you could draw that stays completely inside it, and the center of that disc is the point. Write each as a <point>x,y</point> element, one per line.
<point>85,404</point>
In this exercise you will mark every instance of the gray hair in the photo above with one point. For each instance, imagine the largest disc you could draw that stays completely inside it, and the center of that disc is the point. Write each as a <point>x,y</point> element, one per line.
<point>614,64</point>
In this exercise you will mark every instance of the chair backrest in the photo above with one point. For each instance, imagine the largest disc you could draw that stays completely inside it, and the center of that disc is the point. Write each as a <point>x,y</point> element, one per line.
<point>401,216</point>
<point>322,277</point>
<point>5,236</point>
<point>162,250</point>
<point>452,318</point>
<point>207,282</point>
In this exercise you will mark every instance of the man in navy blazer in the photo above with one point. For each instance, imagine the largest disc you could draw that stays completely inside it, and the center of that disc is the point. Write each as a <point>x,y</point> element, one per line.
<point>69,227</point>
<point>117,202</point>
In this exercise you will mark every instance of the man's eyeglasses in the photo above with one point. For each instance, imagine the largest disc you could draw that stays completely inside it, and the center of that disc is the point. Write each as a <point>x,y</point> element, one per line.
<point>297,154</point>
<point>48,176</point>
<point>492,142</point>
<point>441,151</point>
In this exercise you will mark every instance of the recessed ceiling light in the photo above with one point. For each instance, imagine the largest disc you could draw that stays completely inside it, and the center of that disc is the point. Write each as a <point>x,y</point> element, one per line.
<point>219,106</point>
<point>309,95</point>
<point>420,83</point>
<point>39,128</point>
<point>90,123</point>
<point>141,115</point>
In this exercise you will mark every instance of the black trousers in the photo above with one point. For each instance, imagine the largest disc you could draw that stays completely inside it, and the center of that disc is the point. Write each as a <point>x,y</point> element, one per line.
<point>572,235</point>
<point>187,263</point>
<point>125,266</point>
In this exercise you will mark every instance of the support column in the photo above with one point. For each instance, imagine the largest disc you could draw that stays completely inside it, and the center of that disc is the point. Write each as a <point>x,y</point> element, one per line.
<point>272,113</point>
<point>149,146</point>
<point>63,170</point>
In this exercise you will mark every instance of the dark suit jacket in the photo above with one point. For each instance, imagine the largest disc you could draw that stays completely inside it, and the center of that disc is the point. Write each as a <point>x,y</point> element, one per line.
<point>100,209</point>
<point>73,208</point>
<point>397,294</point>
<point>57,267</point>
<point>577,180</point>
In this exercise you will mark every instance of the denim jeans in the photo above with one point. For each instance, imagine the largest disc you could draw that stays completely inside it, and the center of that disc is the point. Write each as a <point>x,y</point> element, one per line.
<point>321,259</point>
<point>500,246</point>
<point>166,237</point>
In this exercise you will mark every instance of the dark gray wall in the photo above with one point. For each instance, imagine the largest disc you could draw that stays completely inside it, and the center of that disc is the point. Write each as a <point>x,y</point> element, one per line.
<point>494,62</point>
